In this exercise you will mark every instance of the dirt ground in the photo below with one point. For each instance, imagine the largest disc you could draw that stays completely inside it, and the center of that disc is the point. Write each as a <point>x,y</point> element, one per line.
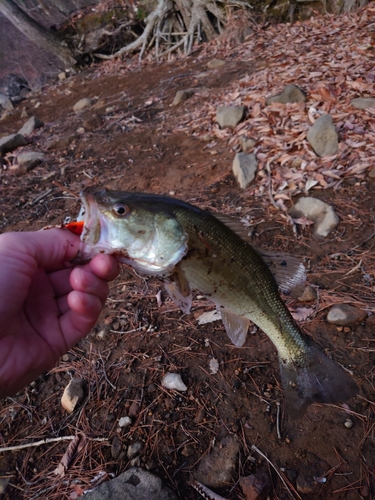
<point>133,140</point>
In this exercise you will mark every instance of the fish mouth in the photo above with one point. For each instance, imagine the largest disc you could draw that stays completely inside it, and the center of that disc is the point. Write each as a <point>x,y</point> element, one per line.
<point>95,227</point>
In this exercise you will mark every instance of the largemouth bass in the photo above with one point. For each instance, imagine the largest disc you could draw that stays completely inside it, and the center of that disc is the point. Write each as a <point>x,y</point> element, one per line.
<point>192,249</point>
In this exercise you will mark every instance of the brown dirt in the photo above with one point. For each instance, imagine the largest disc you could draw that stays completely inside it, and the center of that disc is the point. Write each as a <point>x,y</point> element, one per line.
<point>137,146</point>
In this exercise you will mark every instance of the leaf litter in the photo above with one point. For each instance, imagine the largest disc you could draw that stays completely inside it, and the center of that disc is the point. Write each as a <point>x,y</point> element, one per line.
<point>141,335</point>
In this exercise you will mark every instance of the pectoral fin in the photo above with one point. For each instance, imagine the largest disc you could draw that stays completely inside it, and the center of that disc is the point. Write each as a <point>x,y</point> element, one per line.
<point>236,326</point>
<point>179,290</point>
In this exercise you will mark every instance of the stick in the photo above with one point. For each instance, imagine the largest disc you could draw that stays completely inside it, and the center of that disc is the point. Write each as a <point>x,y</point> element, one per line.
<point>253,447</point>
<point>43,441</point>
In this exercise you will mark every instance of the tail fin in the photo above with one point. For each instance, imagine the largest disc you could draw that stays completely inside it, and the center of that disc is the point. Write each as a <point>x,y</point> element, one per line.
<point>317,380</point>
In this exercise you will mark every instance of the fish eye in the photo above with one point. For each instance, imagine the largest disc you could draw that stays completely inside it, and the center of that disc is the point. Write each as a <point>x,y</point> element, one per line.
<point>120,209</point>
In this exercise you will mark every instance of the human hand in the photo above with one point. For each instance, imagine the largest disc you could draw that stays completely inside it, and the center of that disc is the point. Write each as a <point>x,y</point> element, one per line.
<point>46,305</point>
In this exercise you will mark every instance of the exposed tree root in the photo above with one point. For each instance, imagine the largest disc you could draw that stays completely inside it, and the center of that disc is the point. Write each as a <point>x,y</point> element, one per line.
<point>176,24</point>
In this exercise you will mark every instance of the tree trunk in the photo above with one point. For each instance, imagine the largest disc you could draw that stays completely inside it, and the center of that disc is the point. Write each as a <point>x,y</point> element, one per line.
<point>35,32</point>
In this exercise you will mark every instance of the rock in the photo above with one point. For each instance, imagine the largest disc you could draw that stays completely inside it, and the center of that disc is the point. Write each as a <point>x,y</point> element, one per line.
<point>348,423</point>
<point>30,159</point>
<point>124,422</point>
<point>187,450</point>
<point>323,137</point>
<point>82,104</point>
<point>61,76</point>
<point>17,85</point>
<point>345,314</point>
<point>173,381</point>
<point>31,124</point>
<point>246,143</point>
<point>309,294</point>
<point>134,484</point>
<point>6,103</point>
<point>11,142</point>
<point>215,63</point>
<point>229,116</point>
<point>322,214</point>
<point>215,470</point>
<point>256,486</point>
<point>4,481</point>
<point>372,173</point>
<point>116,447</point>
<point>305,484</point>
<point>244,168</point>
<point>181,96</point>
<point>74,394</point>
<point>134,449</point>
<point>363,102</point>
<point>290,94</point>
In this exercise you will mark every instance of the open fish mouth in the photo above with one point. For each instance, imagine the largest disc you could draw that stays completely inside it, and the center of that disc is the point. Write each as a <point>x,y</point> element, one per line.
<point>92,227</point>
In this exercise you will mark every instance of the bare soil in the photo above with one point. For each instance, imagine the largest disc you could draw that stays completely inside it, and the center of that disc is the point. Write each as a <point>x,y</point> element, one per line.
<point>131,141</point>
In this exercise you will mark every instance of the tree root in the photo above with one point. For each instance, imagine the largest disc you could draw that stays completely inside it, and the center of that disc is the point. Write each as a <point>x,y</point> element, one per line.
<point>176,24</point>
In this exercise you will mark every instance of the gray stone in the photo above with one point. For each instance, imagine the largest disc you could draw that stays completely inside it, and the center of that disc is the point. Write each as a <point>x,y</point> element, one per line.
<point>215,63</point>
<point>82,104</point>
<point>246,143</point>
<point>322,214</point>
<point>244,168</point>
<point>215,469</point>
<point>345,314</point>
<point>290,94</point>
<point>323,137</point>
<point>5,102</point>
<point>134,484</point>
<point>116,447</point>
<point>363,102</point>
<point>134,449</point>
<point>11,142</point>
<point>31,124</point>
<point>181,96</point>
<point>229,116</point>
<point>61,76</point>
<point>30,159</point>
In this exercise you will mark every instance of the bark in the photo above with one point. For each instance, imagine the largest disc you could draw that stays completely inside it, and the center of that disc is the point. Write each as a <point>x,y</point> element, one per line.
<point>37,33</point>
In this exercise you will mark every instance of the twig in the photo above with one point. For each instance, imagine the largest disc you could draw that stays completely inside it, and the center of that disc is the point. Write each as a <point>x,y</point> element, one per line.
<point>44,441</point>
<point>40,197</point>
<point>255,448</point>
<point>278,420</point>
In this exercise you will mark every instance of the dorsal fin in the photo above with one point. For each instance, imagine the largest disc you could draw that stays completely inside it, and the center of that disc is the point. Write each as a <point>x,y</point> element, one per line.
<point>288,271</point>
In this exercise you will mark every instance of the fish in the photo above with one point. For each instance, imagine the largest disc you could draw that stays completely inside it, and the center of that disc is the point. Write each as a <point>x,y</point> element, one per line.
<point>192,249</point>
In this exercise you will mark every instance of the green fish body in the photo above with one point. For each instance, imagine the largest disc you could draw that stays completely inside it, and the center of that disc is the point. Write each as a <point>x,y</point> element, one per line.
<point>192,249</point>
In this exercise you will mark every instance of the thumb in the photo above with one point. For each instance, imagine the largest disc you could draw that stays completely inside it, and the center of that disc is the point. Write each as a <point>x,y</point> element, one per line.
<point>21,254</point>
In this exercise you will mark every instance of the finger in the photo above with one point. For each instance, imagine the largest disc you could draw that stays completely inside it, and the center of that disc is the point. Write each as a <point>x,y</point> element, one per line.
<point>60,281</point>
<point>105,266</point>
<point>83,280</point>
<point>47,249</point>
<point>62,305</point>
<point>84,310</point>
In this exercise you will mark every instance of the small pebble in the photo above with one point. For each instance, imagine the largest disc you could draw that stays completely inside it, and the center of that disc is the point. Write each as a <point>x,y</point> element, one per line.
<point>124,422</point>
<point>134,449</point>
<point>173,381</point>
<point>349,423</point>
<point>74,394</point>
